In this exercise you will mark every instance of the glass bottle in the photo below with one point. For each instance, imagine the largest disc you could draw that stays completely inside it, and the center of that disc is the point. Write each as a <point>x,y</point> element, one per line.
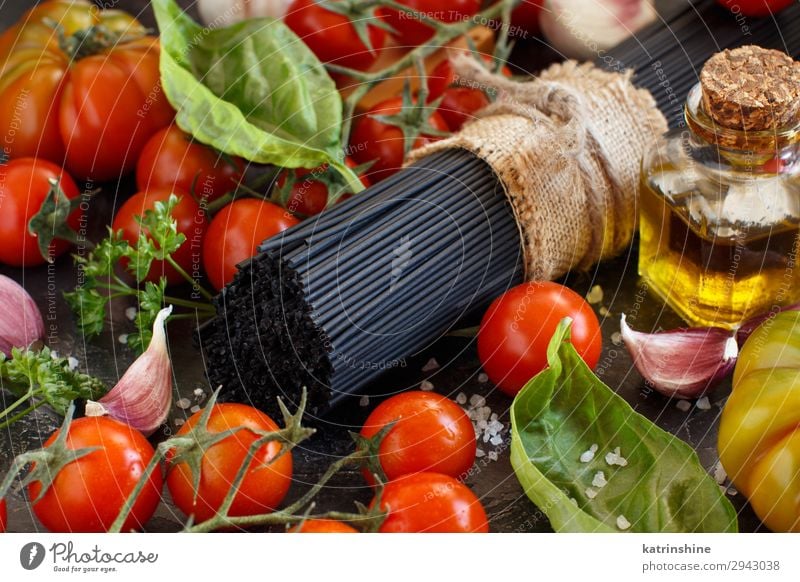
<point>720,218</point>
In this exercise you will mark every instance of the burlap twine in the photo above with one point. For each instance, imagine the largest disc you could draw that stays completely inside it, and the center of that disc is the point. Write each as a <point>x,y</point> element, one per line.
<point>567,147</point>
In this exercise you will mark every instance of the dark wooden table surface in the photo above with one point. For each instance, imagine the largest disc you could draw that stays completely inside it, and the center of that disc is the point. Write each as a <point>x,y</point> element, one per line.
<point>493,481</point>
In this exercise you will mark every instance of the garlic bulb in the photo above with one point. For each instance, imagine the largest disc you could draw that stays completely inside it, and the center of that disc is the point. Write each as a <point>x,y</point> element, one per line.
<point>220,13</point>
<point>585,29</point>
<point>143,396</point>
<point>21,321</point>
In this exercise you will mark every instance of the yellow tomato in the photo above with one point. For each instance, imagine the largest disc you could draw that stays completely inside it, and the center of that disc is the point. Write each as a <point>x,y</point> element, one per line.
<point>759,435</point>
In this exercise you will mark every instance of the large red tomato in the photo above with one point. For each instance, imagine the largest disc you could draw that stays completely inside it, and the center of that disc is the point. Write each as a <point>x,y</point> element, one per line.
<point>3,516</point>
<point>384,143</point>
<point>236,233</point>
<point>88,494</point>
<point>93,109</point>
<point>756,7</point>
<point>323,526</point>
<point>331,36</point>
<point>517,328</point>
<point>309,194</point>
<point>267,479</point>
<point>431,503</point>
<point>173,159</point>
<point>191,221</point>
<point>412,31</point>
<point>431,433</point>
<point>24,184</point>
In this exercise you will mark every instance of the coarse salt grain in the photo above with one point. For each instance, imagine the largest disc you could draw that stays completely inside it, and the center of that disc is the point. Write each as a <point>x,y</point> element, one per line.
<point>431,365</point>
<point>477,400</point>
<point>183,403</point>
<point>587,456</point>
<point>123,338</point>
<point>616,458</point>
<point>595,295</point>
<point>194,409</point>
<point>719,473</point>
<point>364,401</point>
<point>703,403</point>
<point>683,405</point>
<point>483,378</point>
<point>599,480</point>
<point>616,338</point>
<point>623,523</point>
<point>130,313</point>
<point>590,493</point>
<point>732,491</point>
<point>199,392</point>
<point>461,398</point>
<point>72,363</point>
<point>426,386</point>
<point>479,453</point>
<point>496,440</point>
<point>179,422</point>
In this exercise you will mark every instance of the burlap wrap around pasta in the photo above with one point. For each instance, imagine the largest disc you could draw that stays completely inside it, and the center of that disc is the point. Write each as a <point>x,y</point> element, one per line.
<point>567,147</point>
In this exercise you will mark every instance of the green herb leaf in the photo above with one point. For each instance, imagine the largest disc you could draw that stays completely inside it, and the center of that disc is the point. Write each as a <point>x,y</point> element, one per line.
<point>565,410</point>
<point>151,301</point>
<point>253,90</point>
<point>50,223</point>
<point>43,376</point>
<point>90,307</point>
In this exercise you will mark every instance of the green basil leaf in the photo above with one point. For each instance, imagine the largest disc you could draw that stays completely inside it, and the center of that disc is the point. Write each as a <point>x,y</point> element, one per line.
<point>566,409</point>
<point>253,90</point>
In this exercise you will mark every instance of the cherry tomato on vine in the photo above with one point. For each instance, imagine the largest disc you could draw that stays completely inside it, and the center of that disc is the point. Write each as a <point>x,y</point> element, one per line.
<point>431,503</point>
<point>755,7</point>
<point>171,158</point>
<point>323,526</point>
<point>235,234</point>
<point>443,76</point>
<point>24,184</point>
<point>460,104</point>
<point>332,36</point>
<point>431,433</point>
<point>88,493</point>
<point>516,330</point>
<point>266,482</point>
<point>311,188</point>
<point>375,140</point>
<point>92,110</point>
<point>191,222</point>
<point>412,31</point>
<point>3,516</point>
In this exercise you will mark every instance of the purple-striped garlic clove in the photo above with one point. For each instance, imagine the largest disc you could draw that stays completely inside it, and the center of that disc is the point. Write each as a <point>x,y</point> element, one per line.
<point>143,396</point>
<point>21,321</point>
<point>682,363</point>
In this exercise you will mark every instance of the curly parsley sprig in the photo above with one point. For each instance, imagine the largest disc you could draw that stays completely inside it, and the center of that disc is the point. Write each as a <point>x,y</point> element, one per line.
<point>36,378</point>
<point>159,239</point>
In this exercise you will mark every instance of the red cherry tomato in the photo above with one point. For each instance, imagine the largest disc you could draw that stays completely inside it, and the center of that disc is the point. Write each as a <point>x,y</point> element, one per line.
<point>517,328</point>
<point>460,104</point>
<point>3,516</point>
<point>331,36</point>
<point>323,526</point>
<point>191,219</point>
<point>431,433</point>
<point>309,194</point>
<point>235,234</point>
<point>431,503</point>
<point>172,159</point>
<point>24,184</point>
<point>443,76</point>
<point>375,140</point>
<point>412,31</point>
<point>265,484</point>
<point>88,494</point>
<point>755,7</point>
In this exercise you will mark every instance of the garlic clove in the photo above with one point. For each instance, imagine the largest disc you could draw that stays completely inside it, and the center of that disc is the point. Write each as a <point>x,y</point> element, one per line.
<point>682,363</point>
<point>21,322</point>
<point>143,396</point>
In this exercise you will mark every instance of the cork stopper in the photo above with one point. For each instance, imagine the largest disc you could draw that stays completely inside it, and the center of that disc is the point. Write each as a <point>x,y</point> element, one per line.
<point>752,88</point>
